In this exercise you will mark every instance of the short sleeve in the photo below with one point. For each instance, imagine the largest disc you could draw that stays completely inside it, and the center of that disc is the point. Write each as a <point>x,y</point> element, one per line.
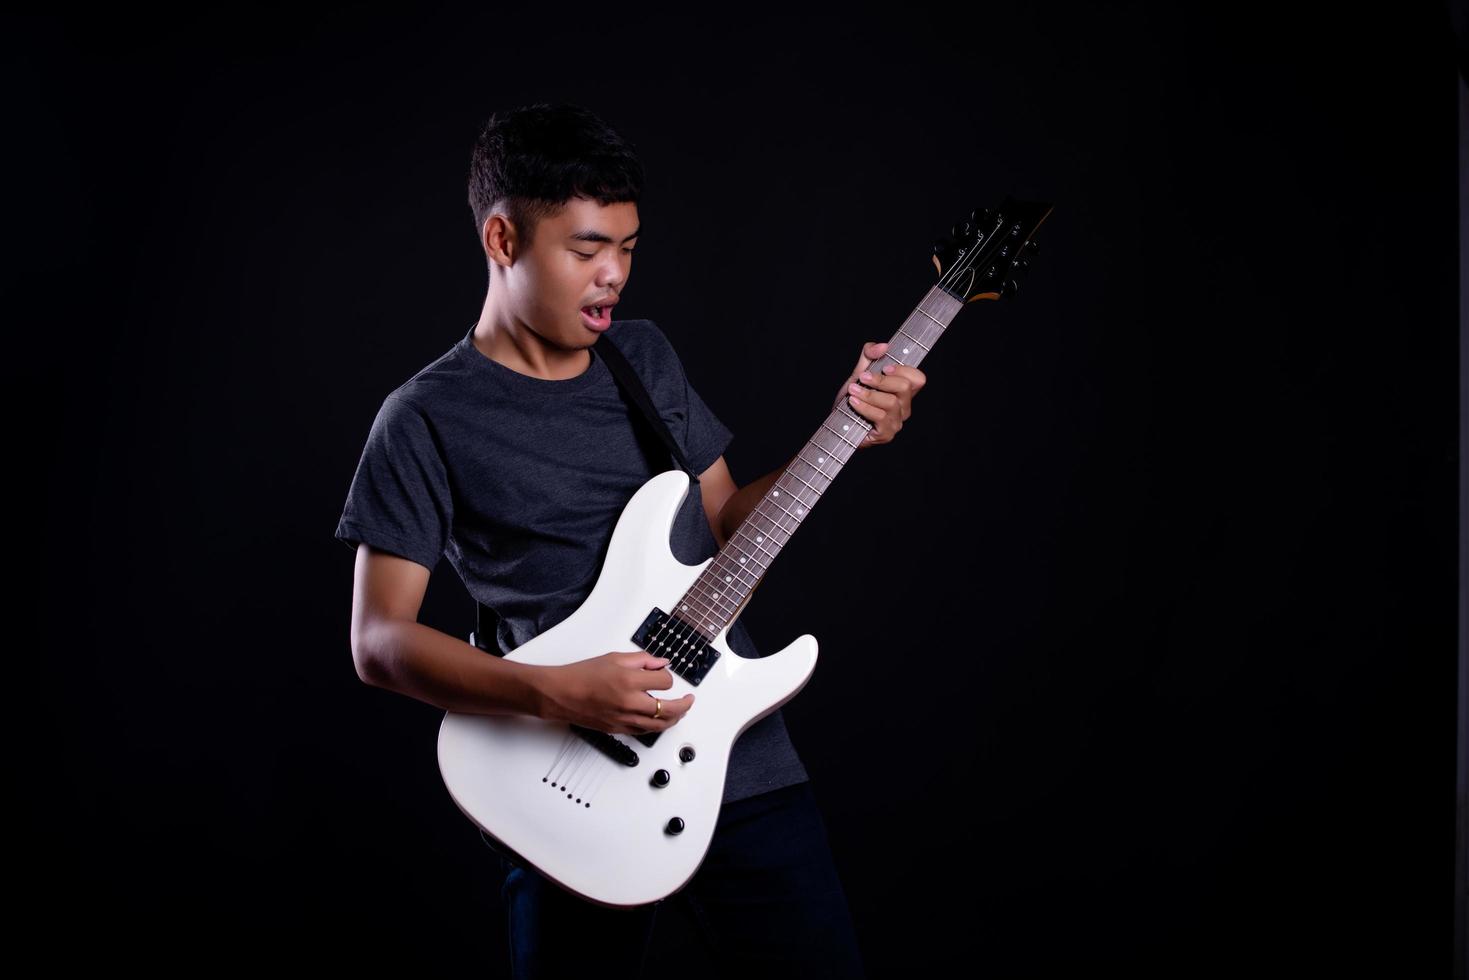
<point>701,435</point>
<point>707,437</point>
<point>704,436</point>
<point>399,499</point>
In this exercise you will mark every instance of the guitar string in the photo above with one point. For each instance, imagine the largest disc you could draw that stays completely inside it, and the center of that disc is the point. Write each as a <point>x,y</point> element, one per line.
<point>684,629</point>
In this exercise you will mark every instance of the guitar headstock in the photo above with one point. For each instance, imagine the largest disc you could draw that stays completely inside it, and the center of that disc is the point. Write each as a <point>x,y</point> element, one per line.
<point>986,252</point>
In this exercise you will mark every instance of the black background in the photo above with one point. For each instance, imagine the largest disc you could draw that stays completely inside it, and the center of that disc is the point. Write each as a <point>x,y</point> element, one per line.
<point>1137,643</point>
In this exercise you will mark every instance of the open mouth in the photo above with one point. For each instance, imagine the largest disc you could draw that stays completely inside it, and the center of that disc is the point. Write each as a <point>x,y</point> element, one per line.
<point>597,317</point>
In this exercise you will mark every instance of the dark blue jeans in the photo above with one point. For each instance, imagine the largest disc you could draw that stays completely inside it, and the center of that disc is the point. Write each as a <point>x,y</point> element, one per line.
<point>767,900</point>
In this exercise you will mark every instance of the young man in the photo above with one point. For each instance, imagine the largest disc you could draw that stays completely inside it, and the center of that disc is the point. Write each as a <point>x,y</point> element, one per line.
<point>513,454</point>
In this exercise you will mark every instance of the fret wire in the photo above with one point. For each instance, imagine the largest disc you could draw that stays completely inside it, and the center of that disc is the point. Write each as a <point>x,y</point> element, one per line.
<point>789,490</point>
<point>737,578</point>
<point>743,555</point>
<point>841,437</point>
<point>744,587</point>
<point>722,588</point>
<point>755,543</point>
<point>718,613</point>
<point>774,527</point>
<point>731,543</point>
<point>736,582</point>
<point>915,340</point>
<point>789,514</point>
<point>829,451</point>
<point>733,565</point>
<point>773,521</point>
<point>787,531</point>
<point>836,432</point>
<point>689,597</point>
<point>815,466</point>
<point>813,489</point>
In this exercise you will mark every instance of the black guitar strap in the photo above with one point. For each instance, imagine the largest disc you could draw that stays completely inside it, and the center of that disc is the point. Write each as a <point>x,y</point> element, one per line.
<point>627,378</point>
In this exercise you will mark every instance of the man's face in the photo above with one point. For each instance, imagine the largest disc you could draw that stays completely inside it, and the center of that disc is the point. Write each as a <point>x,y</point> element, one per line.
<point>579,257</point>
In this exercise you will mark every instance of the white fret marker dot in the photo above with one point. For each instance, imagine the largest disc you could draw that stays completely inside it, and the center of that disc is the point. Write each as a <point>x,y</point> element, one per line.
<point>759,537</point>
<point>800,510</point>
<point>685,605</point>
<point>775,493</point>
<point>820,459</point>
<point>716,595</point>
<point>742,561</point>
<point>845,428</point>
<point>905,350</point>
<point>726,578</point>
<point>711,625</point>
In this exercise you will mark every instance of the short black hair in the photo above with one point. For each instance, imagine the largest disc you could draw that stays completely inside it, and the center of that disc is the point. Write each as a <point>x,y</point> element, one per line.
<point>528,162</point>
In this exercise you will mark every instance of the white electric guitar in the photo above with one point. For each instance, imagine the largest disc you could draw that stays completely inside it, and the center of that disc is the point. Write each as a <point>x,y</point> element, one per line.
<point>625,820</point>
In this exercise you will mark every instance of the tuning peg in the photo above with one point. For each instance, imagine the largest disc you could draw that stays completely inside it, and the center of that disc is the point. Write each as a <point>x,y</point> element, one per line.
<point>1022,267</point>
<point>1035,247</point>
<point>1011,288</point>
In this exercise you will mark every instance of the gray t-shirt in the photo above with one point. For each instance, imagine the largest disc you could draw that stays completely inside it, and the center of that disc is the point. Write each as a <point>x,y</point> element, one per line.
<point>519,481</point>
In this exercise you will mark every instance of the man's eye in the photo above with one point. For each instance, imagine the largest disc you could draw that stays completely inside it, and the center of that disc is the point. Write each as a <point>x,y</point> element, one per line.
<point>592,255</point>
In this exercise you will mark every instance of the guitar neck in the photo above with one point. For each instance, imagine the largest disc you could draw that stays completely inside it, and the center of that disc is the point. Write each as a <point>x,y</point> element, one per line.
<point>723,588</point>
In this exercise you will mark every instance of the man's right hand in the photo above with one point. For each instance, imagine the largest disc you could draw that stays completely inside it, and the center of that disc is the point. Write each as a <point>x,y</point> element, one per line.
<point>609,693</point>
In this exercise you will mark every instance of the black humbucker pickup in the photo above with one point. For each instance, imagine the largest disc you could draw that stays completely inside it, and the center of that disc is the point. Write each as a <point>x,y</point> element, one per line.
<point>690,655</point>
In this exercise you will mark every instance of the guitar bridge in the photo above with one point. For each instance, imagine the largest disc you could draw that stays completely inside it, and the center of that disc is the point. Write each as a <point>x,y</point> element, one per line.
<point>607,745</point>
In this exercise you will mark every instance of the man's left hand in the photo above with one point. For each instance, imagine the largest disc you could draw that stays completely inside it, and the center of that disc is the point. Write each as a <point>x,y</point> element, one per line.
<point>885,398</point>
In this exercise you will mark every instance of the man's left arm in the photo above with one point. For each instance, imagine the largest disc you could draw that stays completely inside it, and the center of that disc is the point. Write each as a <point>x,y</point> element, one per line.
<point>886,399</point>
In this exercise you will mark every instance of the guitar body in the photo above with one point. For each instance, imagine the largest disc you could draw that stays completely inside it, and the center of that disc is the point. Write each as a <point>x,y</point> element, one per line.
<point>578,813</point>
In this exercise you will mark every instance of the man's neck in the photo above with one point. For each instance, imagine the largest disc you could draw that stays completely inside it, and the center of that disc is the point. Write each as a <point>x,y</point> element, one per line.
<point>524,352</point>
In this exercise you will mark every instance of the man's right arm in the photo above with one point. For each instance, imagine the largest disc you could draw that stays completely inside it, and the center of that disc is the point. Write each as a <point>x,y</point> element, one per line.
<point>393,650</point>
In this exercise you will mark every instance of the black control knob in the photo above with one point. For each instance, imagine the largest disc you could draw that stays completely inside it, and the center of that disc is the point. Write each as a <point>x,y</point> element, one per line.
<point>686,753</point>
<point>660,778</point>
<point>675,826</point>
